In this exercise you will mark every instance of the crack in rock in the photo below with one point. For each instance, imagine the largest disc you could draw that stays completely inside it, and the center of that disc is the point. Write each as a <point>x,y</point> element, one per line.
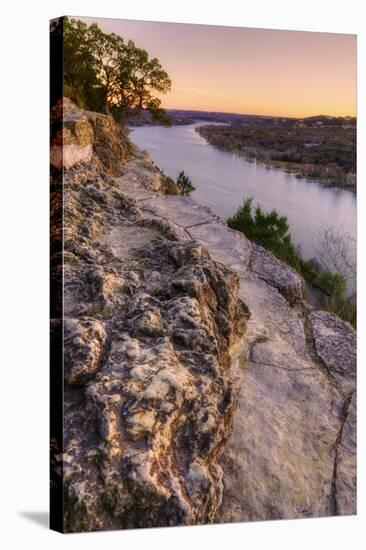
<point>333,504</point>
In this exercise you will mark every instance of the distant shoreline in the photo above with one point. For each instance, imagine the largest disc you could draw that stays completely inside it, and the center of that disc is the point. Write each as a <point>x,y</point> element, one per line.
<point>285,167</point>
<point>261,144</point>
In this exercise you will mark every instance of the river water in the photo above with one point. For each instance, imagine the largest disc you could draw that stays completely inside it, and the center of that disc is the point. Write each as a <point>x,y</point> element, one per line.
<point>223,180</point>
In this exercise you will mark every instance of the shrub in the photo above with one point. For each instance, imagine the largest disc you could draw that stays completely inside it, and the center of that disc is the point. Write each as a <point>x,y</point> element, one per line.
<point>269,230</point>
<point>184,184</point>
<point>331,283</point>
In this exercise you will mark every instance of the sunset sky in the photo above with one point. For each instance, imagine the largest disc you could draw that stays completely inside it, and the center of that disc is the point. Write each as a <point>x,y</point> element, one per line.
<point>252,71</point>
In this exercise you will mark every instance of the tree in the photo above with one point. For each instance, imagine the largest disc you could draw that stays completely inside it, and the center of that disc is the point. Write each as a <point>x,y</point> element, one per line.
<point>184,184</point>
<point>332,283</point>
<point>137,77</point>
<point>107,51</point>
<point>79,63</point>
<point>102,72</point>
<point>270,230</point>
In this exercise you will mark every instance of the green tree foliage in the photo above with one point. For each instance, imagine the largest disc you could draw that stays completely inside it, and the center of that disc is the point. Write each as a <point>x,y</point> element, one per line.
<point>103,73</point>
<point>332,284</point>
<point>268,230</point>
<point>79,73</point>
<point>184,184</point>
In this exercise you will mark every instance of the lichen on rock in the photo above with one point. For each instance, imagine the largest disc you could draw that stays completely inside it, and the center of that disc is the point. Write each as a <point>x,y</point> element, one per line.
<point>198,384</point>
<point>150,328</point>
<point>75,134</point>
<point>161,402</point>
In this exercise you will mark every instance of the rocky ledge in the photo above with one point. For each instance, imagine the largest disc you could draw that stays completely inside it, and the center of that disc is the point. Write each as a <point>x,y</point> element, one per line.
<point>199,385</point>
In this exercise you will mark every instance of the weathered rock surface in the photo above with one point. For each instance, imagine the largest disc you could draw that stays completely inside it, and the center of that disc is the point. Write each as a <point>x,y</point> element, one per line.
<point>199,386</point>
<point>294,417</point>
<point>335,343</point>
<point>150,333</point>
<point>144,447</point>
<point>83,340</point>
<point>109,143</point>
<point>267,267</point>
<point>75,134</point>
<point>71,135</point>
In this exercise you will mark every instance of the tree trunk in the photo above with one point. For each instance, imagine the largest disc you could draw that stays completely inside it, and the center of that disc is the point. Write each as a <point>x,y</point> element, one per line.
<point>106,106</point>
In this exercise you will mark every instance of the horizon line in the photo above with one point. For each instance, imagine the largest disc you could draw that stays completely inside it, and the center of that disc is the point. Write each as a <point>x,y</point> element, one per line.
<point>257,114</point>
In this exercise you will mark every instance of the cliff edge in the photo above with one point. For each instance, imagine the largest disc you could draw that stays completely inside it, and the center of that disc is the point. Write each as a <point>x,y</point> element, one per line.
<point>199,385</point>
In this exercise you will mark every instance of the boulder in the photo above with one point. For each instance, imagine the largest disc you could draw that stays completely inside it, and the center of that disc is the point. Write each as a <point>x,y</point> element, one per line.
<point>76,134</point>
<point>277,274</point>
<point>72,135</point>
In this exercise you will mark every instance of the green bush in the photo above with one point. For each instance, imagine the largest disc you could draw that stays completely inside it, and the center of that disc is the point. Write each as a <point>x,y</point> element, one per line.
<point>332,284</point>
<point>269,230</point>
<point>184,184</point>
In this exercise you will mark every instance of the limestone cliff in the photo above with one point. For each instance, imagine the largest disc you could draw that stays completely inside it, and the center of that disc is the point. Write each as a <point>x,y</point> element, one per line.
<point>199,385</point>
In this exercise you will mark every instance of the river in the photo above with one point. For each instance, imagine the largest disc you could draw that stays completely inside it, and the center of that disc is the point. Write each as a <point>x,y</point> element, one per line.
<point>223,180</point>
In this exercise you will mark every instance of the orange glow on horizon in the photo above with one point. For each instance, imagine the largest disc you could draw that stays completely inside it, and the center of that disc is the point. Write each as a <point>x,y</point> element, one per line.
<point>249,71</point>
<point>252,106</point>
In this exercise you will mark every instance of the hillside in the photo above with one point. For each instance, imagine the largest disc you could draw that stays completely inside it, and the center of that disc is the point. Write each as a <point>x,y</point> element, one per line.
<point>199,385</point>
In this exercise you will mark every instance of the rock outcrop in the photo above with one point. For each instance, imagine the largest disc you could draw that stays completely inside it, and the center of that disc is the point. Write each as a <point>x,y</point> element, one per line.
<point>76,134</point>
<point>296,394</point>
<point>150,333</point>
<point>199,385</point>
